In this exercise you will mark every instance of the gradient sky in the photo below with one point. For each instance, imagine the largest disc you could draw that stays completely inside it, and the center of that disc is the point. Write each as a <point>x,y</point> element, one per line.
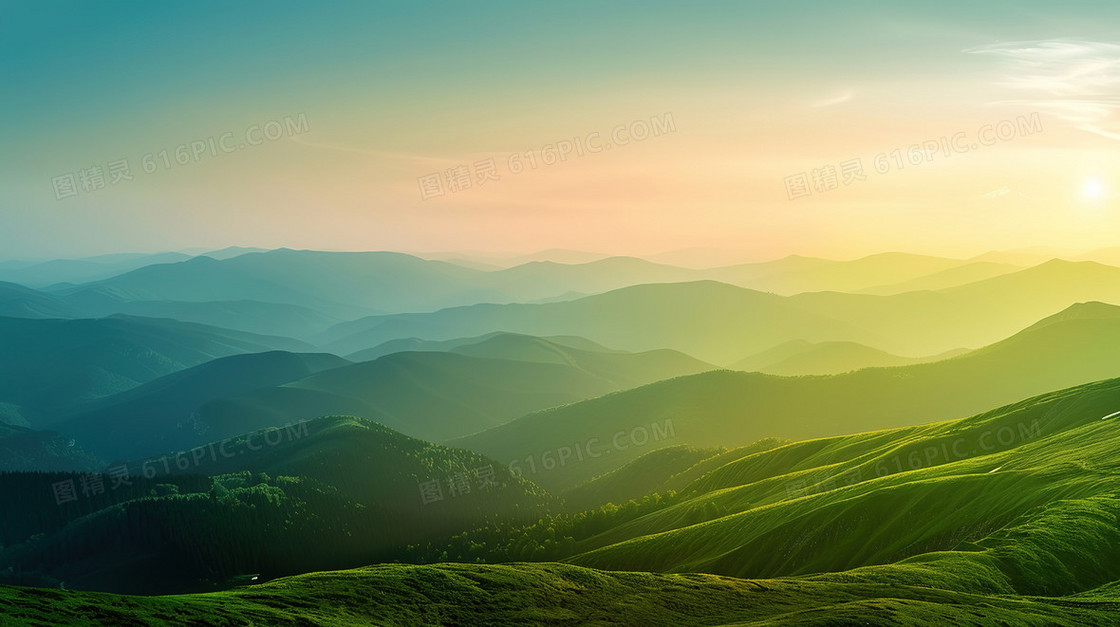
<point>758,92</point>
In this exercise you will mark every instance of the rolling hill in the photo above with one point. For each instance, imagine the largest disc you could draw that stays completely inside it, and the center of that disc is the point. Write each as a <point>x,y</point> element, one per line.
<point>734,322</point>
<point>986,498</point>
<point>800,358</point>
<point>44,274</point>
<point>17,301</point>
<point>519,594</point>
<point>738,322</point>
<point>951,277</point>
<point>416,344</point>
<point>972,315</point>
<point>50,366</point>
<point>241,315</point>
<point>440,395</point>
<point>734,408</point>
<point>162,415</point>
<point>23,449</point>
<point>328,493</point>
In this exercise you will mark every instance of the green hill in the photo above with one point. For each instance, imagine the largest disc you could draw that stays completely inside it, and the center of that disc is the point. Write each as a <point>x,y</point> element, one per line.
<point>732,408</point>
<point>23,449</point>
<point>796,274</point>
<point>50,273</point>
<point>638,478</point>
<point>1019,500</point>
<point>972,315</point>
<point>164,414</point>
<point>239,315</point>
<point>520,594</point>
<point>714,322</point>
<point>17,301</point>
<point>951,277</point>
<point>737,321</point>
<point>48,367</point>
<point>439,395</point>
<point>330,493</point>
<point>800,358</point>
<point>416,344</point>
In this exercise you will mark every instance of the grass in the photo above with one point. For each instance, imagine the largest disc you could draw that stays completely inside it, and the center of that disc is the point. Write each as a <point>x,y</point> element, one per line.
<point>551,594</point>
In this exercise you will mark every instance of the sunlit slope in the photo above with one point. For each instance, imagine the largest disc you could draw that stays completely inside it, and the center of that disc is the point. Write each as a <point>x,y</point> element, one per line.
<point>951,277</point>
<point>796,274</point>
<point>800,358</point>
<point>735,408</point>
<point>972,315</point>
<point>1022,499</point>
<point>722,324</point>
<point>639,477</point>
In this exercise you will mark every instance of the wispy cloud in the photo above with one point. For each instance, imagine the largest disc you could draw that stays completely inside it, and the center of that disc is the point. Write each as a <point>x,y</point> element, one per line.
<point>996,193</point>
<point>1078,81</point>
<point>834,100</point>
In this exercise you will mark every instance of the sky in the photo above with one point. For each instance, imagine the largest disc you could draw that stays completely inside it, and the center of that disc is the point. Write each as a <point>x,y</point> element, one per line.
<point>764,128</point>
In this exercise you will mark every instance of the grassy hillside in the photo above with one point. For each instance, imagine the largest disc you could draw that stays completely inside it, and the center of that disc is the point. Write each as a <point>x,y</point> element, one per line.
<point>640,477</point>
<point>732,409</point>
<point>553,594</point>
<point>1001,499</point>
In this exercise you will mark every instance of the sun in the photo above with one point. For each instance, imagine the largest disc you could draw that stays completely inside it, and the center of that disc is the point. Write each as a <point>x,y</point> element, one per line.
<point>1092,189</point>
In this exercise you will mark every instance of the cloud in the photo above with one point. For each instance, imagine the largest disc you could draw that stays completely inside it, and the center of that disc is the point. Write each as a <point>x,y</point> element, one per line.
<point>996,193</point>
<point>835,100</point>
<point>1077,81</point>
<point>396,156</point>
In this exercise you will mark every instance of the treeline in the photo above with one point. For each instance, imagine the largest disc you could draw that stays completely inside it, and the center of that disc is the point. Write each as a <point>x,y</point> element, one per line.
<point>188,533</point>
<point>31,505</point>
<point>551,538</point>
<point>176,540</point>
